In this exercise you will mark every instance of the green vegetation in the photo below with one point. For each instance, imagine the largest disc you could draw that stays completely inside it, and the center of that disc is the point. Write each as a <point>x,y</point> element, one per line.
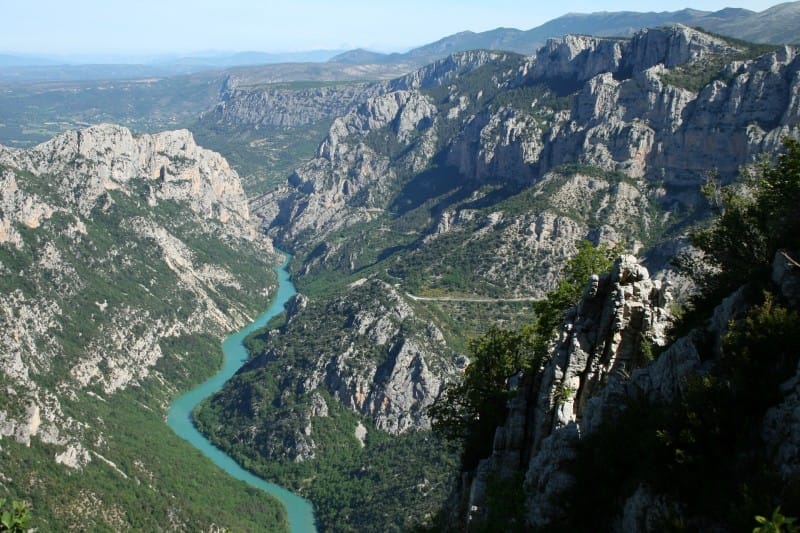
<point>480,85</point>
<point>550,311</point>
<point>395,481</point>
<point>156,477</point>
<point>505,499</point>
<point>704,451</point>
<point>777,523</point>
<point>35,112</point>
<point>263,157</point>
<point>398,246</point>
<point>468,412</point>
<point>698,73</point>
<point>262,419</point>
<point>102,278</point>
<point>751,226</point>
<point>14,519</point>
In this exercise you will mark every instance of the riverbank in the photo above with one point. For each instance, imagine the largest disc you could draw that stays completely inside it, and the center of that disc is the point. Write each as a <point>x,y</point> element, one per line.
<point>179,417</point>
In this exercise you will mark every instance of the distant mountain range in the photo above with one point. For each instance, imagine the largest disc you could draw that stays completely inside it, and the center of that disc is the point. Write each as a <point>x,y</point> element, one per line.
<point>777,25</point>
<point>28,67</point>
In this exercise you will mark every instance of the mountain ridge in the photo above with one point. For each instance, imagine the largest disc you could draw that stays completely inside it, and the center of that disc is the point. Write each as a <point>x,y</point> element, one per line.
<point>765,27</point>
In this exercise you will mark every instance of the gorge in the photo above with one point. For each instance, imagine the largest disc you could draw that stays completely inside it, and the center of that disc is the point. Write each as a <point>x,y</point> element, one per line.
<point>434,218</point>
<point>179,416</point>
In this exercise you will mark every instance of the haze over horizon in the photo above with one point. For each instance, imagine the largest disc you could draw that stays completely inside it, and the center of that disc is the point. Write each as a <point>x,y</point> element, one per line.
<point>96,29</point>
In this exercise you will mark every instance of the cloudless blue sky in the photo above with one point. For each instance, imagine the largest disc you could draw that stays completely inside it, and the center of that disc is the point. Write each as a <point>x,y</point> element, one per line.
<point>181,26</point>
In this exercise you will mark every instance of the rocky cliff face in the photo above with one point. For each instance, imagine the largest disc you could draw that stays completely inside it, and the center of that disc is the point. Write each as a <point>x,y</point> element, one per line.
<point>579,58</point>
<point>619,106</point>
<point>371,350</point>
<point>627,116</point>
<point>595,372</point>
<point>287,107</point>
<point>113,246</point>
<point>589,364</point>
<point>88,163</point>
<point>480,183</point>
<point>480,173</point>
<point>291,105</point>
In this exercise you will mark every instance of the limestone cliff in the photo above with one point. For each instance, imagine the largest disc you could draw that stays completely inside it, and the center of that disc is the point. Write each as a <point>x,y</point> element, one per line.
<point>630,109</point>
<point>627,115</point>
<point>596,352</point>
<point>287,107</point>
<point>480,173</point>
<point>371,350</point>
<point>90,162</point>
<point>595,373</point>
<point>113,248</point>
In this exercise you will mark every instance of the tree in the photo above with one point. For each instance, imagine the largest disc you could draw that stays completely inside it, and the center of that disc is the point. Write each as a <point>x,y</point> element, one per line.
<point>752,224</point>
<point>15,519</point>
<point>468,412</point>
<point>550,311</point>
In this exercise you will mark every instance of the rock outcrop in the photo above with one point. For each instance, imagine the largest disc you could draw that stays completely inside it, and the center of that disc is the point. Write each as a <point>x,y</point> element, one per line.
<point>595,353</point>
<point>597,367</point>
<point>628,109</point>
<point>579,58</point>
<point>89,162</point>
<point>374,355</point>
<point>288,107</point>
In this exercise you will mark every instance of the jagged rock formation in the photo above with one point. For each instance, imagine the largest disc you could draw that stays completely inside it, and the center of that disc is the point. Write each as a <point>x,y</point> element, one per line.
<point>626,108</point>
<point>579,58</point>
<point>628,117</point>
<point>592,376</point>
<point>375,355</point>
<point>592,130</point>
<point>103,239</point>
<point>477,177</point>
<point>596,349</point>
<point>288,106</point>
<point>89,162</point>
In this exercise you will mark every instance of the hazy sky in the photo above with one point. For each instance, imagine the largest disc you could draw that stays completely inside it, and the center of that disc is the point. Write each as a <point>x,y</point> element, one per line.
<point>180,26</point>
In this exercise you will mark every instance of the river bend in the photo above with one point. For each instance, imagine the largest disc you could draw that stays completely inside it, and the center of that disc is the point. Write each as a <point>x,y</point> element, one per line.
<point>299,510</point>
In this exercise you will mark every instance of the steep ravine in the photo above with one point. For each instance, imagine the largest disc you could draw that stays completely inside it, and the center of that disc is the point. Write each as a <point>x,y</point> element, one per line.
<point>477,182</point>
<point>179,418</point>
<point>124,260</point>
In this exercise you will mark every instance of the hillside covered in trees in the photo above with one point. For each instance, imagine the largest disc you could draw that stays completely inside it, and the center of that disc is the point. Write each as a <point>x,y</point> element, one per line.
<point>699,431</point>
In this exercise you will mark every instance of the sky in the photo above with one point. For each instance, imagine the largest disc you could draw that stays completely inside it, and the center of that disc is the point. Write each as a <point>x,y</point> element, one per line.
<point>116,27</point>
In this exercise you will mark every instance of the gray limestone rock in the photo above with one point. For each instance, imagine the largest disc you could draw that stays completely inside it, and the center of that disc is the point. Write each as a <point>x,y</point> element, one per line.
<point>58,194</point>
<point>89,162</point>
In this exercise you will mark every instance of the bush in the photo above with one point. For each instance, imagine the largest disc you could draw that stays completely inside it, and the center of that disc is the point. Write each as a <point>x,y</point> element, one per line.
<point>469,412</point>
<point>15,519</point>
<point>752,225</point>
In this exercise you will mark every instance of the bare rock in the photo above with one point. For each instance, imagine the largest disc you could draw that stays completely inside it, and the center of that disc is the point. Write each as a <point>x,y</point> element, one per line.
<point>108,157</point>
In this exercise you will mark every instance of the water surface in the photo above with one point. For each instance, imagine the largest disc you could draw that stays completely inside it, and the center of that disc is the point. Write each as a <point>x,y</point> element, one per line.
<point>299,510</point>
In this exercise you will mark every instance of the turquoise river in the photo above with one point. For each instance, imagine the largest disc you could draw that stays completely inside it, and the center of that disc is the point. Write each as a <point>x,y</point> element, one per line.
<point>299,510</point>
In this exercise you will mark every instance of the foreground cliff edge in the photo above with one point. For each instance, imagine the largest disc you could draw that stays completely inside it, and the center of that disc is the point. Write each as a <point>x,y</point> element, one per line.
<point>623,428</point>
<point>125,259</point>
